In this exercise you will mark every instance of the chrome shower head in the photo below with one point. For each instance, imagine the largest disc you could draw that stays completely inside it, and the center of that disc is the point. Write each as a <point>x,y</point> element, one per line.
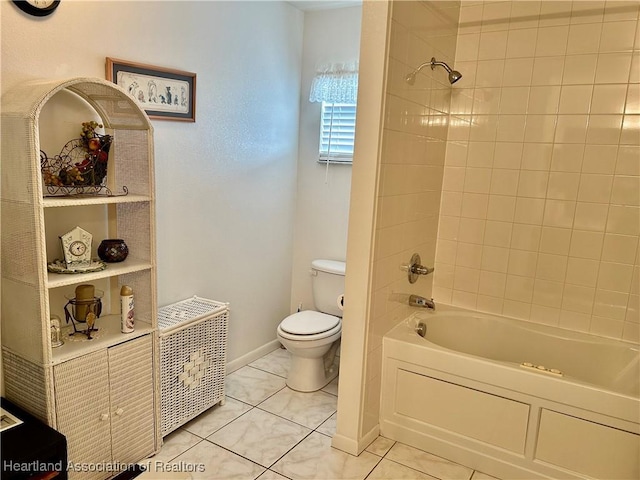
<point>454,75</point>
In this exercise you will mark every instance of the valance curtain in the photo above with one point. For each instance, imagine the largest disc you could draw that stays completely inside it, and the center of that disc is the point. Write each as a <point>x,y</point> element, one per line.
<point>335,83</point>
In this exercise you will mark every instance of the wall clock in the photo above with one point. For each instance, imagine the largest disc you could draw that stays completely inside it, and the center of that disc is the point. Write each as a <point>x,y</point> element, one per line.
<point>37,8</point>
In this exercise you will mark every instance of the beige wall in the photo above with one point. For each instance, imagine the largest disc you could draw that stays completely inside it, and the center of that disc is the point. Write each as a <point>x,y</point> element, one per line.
<point>540,212</point>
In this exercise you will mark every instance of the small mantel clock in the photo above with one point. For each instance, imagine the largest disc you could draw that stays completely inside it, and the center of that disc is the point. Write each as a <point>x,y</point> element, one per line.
<point>76,248</point>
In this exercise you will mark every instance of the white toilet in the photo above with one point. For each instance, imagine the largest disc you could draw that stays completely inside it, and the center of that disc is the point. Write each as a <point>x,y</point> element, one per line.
<point>312,337</point>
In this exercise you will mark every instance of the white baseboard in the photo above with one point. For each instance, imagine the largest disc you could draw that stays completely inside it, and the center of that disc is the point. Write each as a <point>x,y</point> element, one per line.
<point>355,446</point>
<point>247,358</point>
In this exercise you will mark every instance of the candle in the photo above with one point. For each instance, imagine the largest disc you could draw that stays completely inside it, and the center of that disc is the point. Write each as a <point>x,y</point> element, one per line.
<point>84,297</point>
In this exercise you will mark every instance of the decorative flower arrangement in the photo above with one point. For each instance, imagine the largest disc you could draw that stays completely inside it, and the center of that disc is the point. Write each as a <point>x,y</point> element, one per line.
<point>82,161</point>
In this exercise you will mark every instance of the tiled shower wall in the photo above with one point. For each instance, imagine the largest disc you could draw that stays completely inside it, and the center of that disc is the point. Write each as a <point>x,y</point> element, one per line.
<point>540,213</point>
<point>412,165</point>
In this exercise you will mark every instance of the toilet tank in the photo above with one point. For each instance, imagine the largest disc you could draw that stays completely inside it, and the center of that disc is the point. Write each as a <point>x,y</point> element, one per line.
<point>327,283</point>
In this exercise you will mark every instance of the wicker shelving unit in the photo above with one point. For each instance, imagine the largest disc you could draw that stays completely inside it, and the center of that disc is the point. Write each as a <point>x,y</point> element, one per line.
<point>101,393</point>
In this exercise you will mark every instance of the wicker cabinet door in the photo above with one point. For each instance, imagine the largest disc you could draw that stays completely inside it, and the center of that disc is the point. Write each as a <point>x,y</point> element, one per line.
<point>82,412</point>
<point>133,419</point>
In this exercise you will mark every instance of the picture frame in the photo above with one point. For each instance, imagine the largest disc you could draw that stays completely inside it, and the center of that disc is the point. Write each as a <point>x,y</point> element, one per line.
<point>163,93</point>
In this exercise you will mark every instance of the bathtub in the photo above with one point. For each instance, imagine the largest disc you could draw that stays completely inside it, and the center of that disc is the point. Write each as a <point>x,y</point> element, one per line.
<point>512,399</point>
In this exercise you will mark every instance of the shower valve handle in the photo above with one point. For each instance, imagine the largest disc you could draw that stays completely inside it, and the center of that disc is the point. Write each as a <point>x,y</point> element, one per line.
<point>420,270</point>
<point>415,269</point>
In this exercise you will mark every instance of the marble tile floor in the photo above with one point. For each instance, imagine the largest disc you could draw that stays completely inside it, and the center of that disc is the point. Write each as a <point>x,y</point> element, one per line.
<point>267,431</point>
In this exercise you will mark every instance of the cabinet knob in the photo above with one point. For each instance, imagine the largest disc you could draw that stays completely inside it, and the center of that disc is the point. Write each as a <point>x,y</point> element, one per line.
<point>119,411</point>
<point>104,417</point>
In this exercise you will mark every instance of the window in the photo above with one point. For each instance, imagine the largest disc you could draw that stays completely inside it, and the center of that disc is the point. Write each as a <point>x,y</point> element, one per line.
<point>337,132</point>
<point>336,86</point>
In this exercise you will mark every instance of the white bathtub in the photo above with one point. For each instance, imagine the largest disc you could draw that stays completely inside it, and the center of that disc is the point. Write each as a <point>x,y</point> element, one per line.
<point>462,392</point>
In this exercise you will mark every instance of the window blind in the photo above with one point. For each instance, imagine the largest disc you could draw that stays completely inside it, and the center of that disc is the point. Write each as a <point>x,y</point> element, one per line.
<point>337,132</point>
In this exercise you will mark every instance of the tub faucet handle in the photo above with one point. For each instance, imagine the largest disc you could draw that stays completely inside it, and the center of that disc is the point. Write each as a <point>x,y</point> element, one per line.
<point>418,301</point>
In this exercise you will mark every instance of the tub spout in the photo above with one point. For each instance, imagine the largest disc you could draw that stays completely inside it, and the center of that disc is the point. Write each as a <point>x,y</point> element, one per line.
<point>418,301</point>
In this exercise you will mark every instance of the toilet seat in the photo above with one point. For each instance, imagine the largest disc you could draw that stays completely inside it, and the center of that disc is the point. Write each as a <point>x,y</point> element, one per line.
<point>324,337</point>
<point>309,322</point>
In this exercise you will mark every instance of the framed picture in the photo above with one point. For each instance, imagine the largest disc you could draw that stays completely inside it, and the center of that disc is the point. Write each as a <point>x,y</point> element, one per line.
<point>164,93</point>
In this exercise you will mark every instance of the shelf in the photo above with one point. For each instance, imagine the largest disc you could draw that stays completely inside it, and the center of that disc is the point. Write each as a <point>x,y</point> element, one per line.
<point>108,334</point>
<point>50,202</point>
<point>130,265</point>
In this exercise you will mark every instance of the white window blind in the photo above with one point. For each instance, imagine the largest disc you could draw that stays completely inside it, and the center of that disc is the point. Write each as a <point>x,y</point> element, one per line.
<point>337,132</point>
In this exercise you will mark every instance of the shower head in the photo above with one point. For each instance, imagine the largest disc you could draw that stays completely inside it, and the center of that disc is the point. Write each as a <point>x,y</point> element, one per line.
<point>454,75</point>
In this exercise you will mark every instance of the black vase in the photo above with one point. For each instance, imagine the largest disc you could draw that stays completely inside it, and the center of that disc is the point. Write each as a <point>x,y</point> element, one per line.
<point>113,250</point>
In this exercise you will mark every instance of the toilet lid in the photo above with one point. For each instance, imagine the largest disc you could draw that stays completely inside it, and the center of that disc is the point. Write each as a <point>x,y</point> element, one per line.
<point>308,322</point>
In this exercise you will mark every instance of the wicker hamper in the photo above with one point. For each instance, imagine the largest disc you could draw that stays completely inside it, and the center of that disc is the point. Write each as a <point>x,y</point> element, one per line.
<point>193,356</point>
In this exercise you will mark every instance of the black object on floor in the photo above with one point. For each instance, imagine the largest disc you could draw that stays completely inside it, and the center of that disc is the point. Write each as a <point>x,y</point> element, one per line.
<point>132,472</point>
<point>32,449</point>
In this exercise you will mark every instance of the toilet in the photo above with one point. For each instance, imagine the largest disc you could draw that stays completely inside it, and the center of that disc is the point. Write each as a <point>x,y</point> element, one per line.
<point>312,337</point>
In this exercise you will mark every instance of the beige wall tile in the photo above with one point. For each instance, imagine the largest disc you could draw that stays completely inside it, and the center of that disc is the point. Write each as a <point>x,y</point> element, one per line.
<point>501,208</point>
<point>582,271</point>
<point>595,188</point>
<point>584,38</point>
<point>555,240</point>
<point>600,159</point>
<point>626,190</point>
<point>577,298</point>
<point>542,167</point>
<point>567,157</point>
<point>608,99</point>
<point>552,41</point>
<point>563,185</point>
<point>591,216</point>
<point>526,237</point>
<point>510,128</point>
<point>619,248</point>
<point>615,277</point>
<point>613,68</point>
<point>571,129</point>
<point>519,289</point>
<point>549,70</point>
<point>580,69</point>
<point>618,36</point>
<point>624,220</point>
<point>585,244</point>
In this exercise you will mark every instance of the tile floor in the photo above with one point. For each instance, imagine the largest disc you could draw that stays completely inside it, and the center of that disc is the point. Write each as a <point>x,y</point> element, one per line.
<point>266,431</point>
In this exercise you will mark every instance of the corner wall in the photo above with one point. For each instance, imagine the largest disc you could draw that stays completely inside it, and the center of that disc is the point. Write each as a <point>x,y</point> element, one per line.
<point>540,215</point>
<point>400,153</point>
<point>322,199</point>
<point>412,165</point>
